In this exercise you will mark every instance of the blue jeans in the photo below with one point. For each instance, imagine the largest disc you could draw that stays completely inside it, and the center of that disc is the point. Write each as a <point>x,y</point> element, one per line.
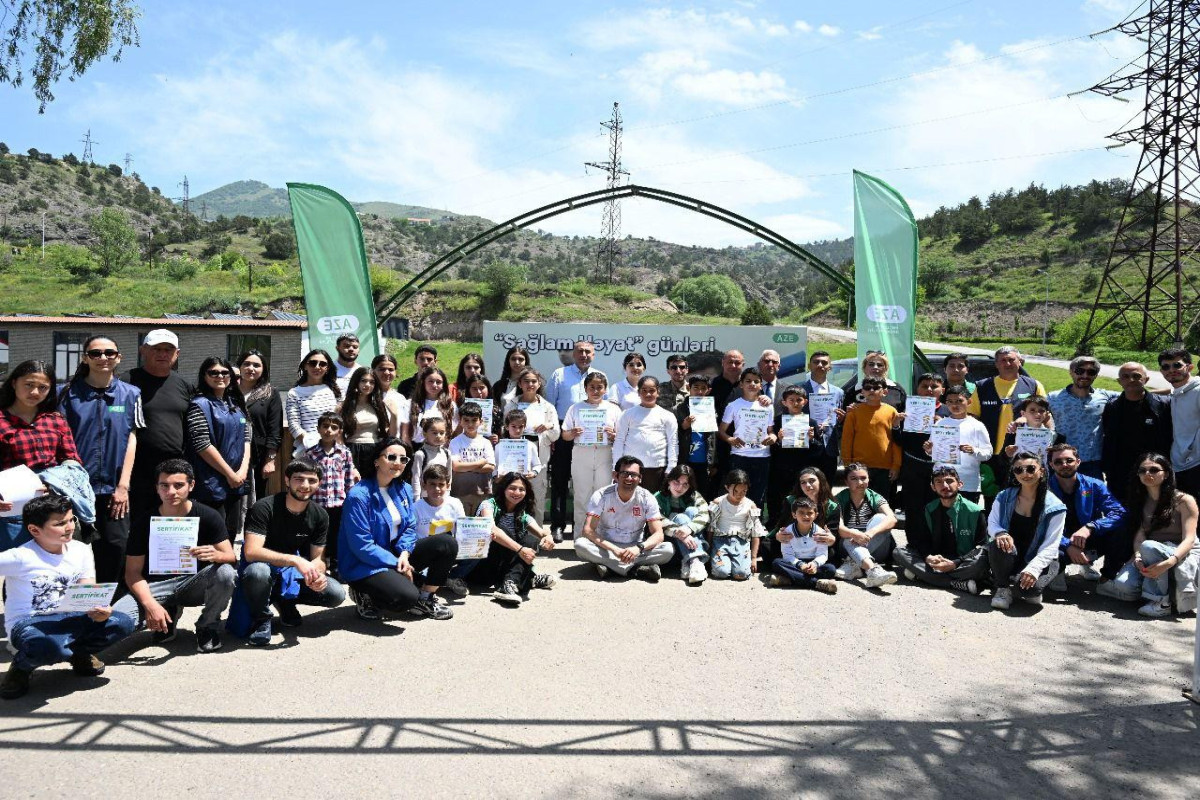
<point>209,589</point>
<point>260,585</point>
<point>791,570</point>
<point>731,557</point>
<point>759,470</point>
<point>51,638</point>
<point>688,556</point>
<point>1129,583</point>
<point>12,533</point>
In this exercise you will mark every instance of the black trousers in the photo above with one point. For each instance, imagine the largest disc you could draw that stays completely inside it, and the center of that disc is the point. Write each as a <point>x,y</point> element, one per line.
<point>391,591</point>
<point>108,538</point>
<point>973,566</point>
<point>560,482</point>
<point>503,564</point>
<point>335,525</point>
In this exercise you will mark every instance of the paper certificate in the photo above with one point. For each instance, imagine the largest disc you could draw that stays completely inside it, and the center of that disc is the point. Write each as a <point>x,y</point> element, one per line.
<point>704,410</point>
<point>18,486</point>
<point>945,439</point>
<point>794,432</point>
<point>171,540</point>
<point>752,424</point>
<point>919,413</point>
<point>82,597</point>
<point>474,535</point>
<point>593,421</point>
<point>485,409</point>
<point>1035,440</point>
<point>821,408</point>
<point>512,455</point>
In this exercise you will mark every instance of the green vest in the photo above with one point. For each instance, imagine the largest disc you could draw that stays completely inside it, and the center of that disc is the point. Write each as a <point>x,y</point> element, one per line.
<point>964,521</point>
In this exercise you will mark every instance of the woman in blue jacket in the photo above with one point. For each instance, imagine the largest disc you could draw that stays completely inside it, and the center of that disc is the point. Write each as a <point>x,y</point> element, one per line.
<point>1024,530</point>
<point>379,554</point>
<point>218,437</point>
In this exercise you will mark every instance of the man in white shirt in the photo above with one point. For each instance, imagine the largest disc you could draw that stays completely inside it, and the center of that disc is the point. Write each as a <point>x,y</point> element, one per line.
<point>347,359</point>
<point>618,517</point>
<point>564,389</point>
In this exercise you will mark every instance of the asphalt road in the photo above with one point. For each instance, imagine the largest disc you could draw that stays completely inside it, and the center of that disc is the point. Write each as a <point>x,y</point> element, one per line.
<point>622,688</point>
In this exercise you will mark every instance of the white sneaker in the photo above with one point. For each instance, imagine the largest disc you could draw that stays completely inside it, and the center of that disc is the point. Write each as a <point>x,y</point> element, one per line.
<point>1156,608</point>
<point>1059,583</point>
<point>696,572</point>
<point>1109,589</point>
<point>878,576</point>
<point>848,571</point>
<point>457,586</point>
<point>910,575</point>
<point>1002,599</point>
<point>1090,573</point>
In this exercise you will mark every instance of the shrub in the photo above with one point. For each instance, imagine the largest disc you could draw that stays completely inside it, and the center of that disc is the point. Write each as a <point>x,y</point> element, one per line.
<point>712,295</point>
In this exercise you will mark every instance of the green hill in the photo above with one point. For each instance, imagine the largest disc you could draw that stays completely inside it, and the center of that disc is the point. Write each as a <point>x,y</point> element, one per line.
<point>257,200</point>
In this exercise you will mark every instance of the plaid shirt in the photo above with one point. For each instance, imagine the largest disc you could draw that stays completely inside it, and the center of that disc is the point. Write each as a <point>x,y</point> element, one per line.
<point>336,474</point>
<point>46,443</point>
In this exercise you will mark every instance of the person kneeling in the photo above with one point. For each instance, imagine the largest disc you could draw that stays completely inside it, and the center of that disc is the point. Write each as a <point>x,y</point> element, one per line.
<point>379,552</point>
<point>804,562</point>
<point>161,598</point>
<point>37,575</point>
<point>1025,527</point>
<point>947,547</point>
<point>282,555</point>
<point>617,518</point>
<point>737,529</point>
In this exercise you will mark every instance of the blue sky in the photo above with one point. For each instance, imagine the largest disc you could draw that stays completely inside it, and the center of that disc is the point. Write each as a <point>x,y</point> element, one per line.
<point>492,109</point>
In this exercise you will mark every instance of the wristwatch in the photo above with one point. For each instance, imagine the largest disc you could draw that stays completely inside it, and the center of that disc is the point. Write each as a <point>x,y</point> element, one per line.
<point>641,547</point>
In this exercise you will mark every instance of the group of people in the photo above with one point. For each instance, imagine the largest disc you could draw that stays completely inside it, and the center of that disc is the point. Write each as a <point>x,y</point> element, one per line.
<point>394,497</point>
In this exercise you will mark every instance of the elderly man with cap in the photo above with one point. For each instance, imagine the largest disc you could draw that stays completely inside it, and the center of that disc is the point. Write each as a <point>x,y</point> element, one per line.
<point>165,398</point>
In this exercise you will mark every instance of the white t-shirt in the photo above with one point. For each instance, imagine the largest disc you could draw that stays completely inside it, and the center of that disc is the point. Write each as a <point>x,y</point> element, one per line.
<point>624,394</point>
<point>464,448</point>
<point>395,515</point>
<point>431,520</point>
<point>344,373</point>
<point>612,416</point>
<point>431,410</point>
<point>622,522</point>
<point>803,547</point>
<point>973,432</point>
<point>397,404</point>
<point>740,429</point>
<point>36,580</point>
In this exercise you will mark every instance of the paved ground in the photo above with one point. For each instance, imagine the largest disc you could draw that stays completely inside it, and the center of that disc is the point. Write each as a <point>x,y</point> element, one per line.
<point>623,688</point>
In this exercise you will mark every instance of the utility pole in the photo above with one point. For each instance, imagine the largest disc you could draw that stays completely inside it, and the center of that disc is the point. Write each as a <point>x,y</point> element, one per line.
<point>608,255</point>
<point>43,236</point>
<point>87,147</point>
<point>1149,284</point>
<point>128,161</point>
<point>186,200</point>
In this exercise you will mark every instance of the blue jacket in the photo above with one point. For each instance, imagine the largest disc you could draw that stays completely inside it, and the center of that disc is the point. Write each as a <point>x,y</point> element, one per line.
<point>365,545</point>
<point>830,440</point>
<point>1094,505</point>
<point>101,421</point>
<point>1044,547</point>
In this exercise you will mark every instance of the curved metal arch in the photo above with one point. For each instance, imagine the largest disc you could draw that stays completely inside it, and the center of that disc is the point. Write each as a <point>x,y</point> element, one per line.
<point>447,260</point>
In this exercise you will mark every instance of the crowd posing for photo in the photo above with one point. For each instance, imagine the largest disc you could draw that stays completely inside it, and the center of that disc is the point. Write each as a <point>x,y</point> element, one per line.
<point>407,497</point>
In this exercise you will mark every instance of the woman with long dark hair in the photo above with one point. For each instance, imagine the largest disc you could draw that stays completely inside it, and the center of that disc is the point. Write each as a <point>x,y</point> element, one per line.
<point>365,419</point>
<point>516,540</point>
<point>515,360</point>
<point>32,432</point>
<point>1164,545</point>
<point>103,412</point>
<point>625,391</point>
<point>431,398</point>
<point>469,366</point>
<point>218,438</point>
<point>316,392</point>
<point>264,406</point>
<point>379,553</point>
<point>1024,530</point>
<point>541,425</point>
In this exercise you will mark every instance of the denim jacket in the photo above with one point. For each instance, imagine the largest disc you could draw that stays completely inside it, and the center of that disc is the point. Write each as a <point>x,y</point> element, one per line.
<point>1044,547</point>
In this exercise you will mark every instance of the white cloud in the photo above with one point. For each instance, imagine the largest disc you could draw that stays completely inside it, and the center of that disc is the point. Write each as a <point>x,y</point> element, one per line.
<point>733,88</point>
<point>829,30</point>
<point>802,26</point>
<point>871,35</point>
<point>773,29</point>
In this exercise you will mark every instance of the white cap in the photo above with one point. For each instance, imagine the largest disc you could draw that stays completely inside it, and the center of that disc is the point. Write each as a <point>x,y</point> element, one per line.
<point>161,336</point>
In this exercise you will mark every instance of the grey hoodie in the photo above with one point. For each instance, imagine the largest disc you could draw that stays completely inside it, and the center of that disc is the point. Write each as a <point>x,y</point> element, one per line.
<point>1185,420</point>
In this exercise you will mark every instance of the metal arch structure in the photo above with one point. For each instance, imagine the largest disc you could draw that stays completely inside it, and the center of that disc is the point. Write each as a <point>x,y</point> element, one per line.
<point>417,284</point>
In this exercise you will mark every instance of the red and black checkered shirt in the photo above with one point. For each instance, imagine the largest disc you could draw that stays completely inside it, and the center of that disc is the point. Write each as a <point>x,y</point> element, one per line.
<point>337,478</point>
<point>46,443</point>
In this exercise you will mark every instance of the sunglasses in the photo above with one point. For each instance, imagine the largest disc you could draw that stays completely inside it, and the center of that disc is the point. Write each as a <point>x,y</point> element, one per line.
<point>397,458</point>
<point>312,362</point>
<point>633,476</point>
<point>1172,365</point>
<point>1028,469</point>
<point>1091,373</point>
<point>218,373</point>
<point>1149,470</point>
<point>1062,461</point>
<point>109,353</point>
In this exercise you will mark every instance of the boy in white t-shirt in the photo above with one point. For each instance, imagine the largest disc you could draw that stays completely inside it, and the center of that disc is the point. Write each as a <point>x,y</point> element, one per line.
<point>37,575</point>
<point>804,561</point>
<point>975,443</point>
<point>437,513</point>
<point>474,460</point>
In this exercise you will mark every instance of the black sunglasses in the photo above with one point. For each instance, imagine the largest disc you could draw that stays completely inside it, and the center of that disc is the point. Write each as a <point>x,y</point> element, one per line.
<point>1091,373</point>
<point>1028,469</point>
<point>109,353</point>
<point>1149,470</point>
<point>1172,365</point>
<point>218,373</point>
<point>312,362</point>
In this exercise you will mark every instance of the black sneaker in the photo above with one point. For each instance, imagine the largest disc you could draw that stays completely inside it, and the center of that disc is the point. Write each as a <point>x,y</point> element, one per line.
<point>86,665</point>
<point>970,587</point>
<point>16,682</point>
<point>557,535</point>
<point>364,605</point>
<point>430,607</point>
<point>208,640</point>
<point>261,635</point>
<point>507,594</point>
<point>649,572</point>
<point>289,615</point>
<point>544,581</point>
<point>162,637</point>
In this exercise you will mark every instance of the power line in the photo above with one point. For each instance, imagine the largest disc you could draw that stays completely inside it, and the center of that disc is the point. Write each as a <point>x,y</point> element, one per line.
<point>608,254</point>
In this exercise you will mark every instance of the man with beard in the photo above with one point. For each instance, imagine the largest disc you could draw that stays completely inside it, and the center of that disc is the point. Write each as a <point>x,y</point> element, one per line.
<point>947,548</point>
<point>1095,522</point>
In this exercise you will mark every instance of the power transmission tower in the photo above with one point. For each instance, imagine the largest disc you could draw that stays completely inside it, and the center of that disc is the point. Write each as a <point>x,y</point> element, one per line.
<point>128,161</point>
<point>608,255</point>
<point>186,199</point>
<point>1148,285</point>
<point>87,147</point>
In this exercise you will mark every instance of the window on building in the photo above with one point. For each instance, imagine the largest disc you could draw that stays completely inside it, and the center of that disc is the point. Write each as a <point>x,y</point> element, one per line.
<point>68,352</point>
<point>3,355</point>
<point>238,343</point>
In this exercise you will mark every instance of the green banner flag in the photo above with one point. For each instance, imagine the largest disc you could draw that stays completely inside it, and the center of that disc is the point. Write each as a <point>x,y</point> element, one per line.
<point>885,275</point>
<point>333,265</point>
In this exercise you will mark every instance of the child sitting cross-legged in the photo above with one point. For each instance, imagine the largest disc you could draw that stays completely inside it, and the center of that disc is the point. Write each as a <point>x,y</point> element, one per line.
<point>804,561</point>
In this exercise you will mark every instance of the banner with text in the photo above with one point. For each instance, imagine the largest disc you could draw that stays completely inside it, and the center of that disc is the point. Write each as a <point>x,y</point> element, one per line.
<point>885,275</point>
<point>550,345</point>
<point>333,265</point>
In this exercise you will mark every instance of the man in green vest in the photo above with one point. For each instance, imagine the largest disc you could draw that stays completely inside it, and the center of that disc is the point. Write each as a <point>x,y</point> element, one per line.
<point>947,547</point>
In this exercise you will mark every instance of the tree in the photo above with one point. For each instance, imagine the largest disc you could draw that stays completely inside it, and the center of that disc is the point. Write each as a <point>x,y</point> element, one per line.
<point>713,295</point>
<point>115,243</point>
<point>501,279</point>
<point>65,37</point>
<point>757,313</point>
<point>279,245</point>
